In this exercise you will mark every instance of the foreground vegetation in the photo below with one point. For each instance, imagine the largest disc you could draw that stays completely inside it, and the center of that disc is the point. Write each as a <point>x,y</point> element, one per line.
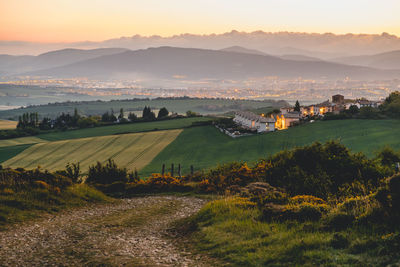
<point>206,147</point>
<point>281,221</point>
<point>27,194</point>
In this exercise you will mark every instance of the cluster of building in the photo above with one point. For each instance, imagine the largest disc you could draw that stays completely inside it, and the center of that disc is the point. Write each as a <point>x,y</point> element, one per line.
<point>288,116</point>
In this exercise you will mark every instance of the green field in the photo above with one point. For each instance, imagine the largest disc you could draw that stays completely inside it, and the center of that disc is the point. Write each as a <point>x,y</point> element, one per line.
<point>128,150</point>
<point>21,141</point>
<point>205,147</point>
<point>123,128</point>
<point>203,106</point>
<point>8,152</point>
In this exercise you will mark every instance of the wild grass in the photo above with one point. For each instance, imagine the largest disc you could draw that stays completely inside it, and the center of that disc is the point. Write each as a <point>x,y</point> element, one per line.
<point>231,230</point>
<point>29,204</point>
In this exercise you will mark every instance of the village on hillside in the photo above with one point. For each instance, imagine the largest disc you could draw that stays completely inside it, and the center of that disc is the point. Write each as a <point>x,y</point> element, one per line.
<point>291,116</point>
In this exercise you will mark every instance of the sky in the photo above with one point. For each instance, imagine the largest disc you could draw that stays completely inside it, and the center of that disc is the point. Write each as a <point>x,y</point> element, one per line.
<point>97,20</point>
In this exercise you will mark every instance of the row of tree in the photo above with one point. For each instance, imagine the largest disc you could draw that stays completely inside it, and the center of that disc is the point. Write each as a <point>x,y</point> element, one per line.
<point>147,115</point>
<point>66,120</point>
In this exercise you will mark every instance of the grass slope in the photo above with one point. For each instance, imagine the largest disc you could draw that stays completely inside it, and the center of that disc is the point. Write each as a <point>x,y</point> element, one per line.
<point>11,151</point>
<point>21,141</point>
<point>128,150</point>
<point>122,129</point>
<point>205,147</point>
<point>235,234</point>
<point>8,125</point>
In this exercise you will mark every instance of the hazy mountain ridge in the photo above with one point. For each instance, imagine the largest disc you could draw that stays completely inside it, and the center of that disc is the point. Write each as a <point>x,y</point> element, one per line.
<point>388,60</point>
<point>195,64</point>
<point>327,45</point>
<point>19,64</point>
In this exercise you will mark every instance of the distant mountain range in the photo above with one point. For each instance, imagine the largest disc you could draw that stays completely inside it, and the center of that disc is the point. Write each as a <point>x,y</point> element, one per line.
<point>324,46</point>
<point>388,60</point>
<point>188,64</point>
<point>21,64</point>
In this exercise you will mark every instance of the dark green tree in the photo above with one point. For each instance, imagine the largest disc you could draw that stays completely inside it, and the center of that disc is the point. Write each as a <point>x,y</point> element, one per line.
<point>297,106</point>
<point>132,116</point>
<point>162,113</point>
<point>121,114</point>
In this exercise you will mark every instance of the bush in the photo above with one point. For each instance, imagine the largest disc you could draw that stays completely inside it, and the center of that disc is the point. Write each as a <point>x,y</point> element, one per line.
<point>338,221</point>
<point>107,174</point>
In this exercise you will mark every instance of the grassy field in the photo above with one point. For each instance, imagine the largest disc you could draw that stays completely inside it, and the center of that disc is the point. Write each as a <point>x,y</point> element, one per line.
<point>236,234</point>
<point>8,152</point>
<point>205,147</point>
<point>203,106</point>
<point>122,129</point>
<point>8,125</point>
<point>21,141</point>
<point>128,150</point>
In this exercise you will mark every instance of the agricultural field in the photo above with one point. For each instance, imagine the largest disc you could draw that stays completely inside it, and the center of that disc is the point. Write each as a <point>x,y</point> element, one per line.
<point>203,106</point>
<point>128,150</point>
<point>123,129</point>
<point>206,147</point>
<point>21,141</point>
<point>8,125</point>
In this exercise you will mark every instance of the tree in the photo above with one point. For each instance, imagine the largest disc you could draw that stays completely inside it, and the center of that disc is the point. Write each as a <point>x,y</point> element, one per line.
<point>190,113</point>
<point>121,114</point>
<point>297,106</point>
<point>353,109</point>
<point>162,113</point>
<point>148,115</point>
<point>132,116</point>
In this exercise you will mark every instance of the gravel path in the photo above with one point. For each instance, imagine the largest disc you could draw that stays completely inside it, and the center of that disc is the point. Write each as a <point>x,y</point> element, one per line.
<point>132,232</point>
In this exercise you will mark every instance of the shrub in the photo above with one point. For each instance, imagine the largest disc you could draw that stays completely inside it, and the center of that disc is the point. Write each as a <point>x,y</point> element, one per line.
<point>158,183</point>
<point>338,221</point>
<point>106,174</point>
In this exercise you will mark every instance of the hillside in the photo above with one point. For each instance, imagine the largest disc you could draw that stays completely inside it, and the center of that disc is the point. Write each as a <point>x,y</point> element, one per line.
<point>197,64</point>
<point>211,147</point>
<point>388,60</point>
<point>18,64</point>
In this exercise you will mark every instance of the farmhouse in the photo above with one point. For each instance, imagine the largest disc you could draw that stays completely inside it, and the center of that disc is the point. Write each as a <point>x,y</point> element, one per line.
<point>252,121</point>
<point>285,120</point>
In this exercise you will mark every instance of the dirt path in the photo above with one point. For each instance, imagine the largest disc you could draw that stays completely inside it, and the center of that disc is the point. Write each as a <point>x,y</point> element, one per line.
<point>129,233</point>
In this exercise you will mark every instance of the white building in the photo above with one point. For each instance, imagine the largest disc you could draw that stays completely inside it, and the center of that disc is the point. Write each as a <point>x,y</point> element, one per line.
<point>253,121</point>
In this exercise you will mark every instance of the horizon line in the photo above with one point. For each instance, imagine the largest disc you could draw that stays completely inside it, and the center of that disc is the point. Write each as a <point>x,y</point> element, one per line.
<point>204,35</point>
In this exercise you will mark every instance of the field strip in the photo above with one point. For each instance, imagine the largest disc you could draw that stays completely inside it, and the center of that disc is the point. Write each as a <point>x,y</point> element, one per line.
<point>21,141</point>
<point>145,150</point>
<point>134,141</point>
<point>8,125</point>
<point>128,150</point>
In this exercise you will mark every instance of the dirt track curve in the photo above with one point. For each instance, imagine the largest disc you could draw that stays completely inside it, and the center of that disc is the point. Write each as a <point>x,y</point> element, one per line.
<point>132,232</point>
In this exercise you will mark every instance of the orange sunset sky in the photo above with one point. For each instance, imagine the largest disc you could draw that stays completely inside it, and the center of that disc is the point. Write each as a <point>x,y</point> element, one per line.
<point>96,20</point>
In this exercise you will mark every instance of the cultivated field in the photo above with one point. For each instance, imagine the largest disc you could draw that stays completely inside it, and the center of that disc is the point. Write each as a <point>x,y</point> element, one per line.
<point>21,141</point>
<point>128,150</point>
<point>8,125</point>
<point>206,147</point>
<point>123,129</point>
